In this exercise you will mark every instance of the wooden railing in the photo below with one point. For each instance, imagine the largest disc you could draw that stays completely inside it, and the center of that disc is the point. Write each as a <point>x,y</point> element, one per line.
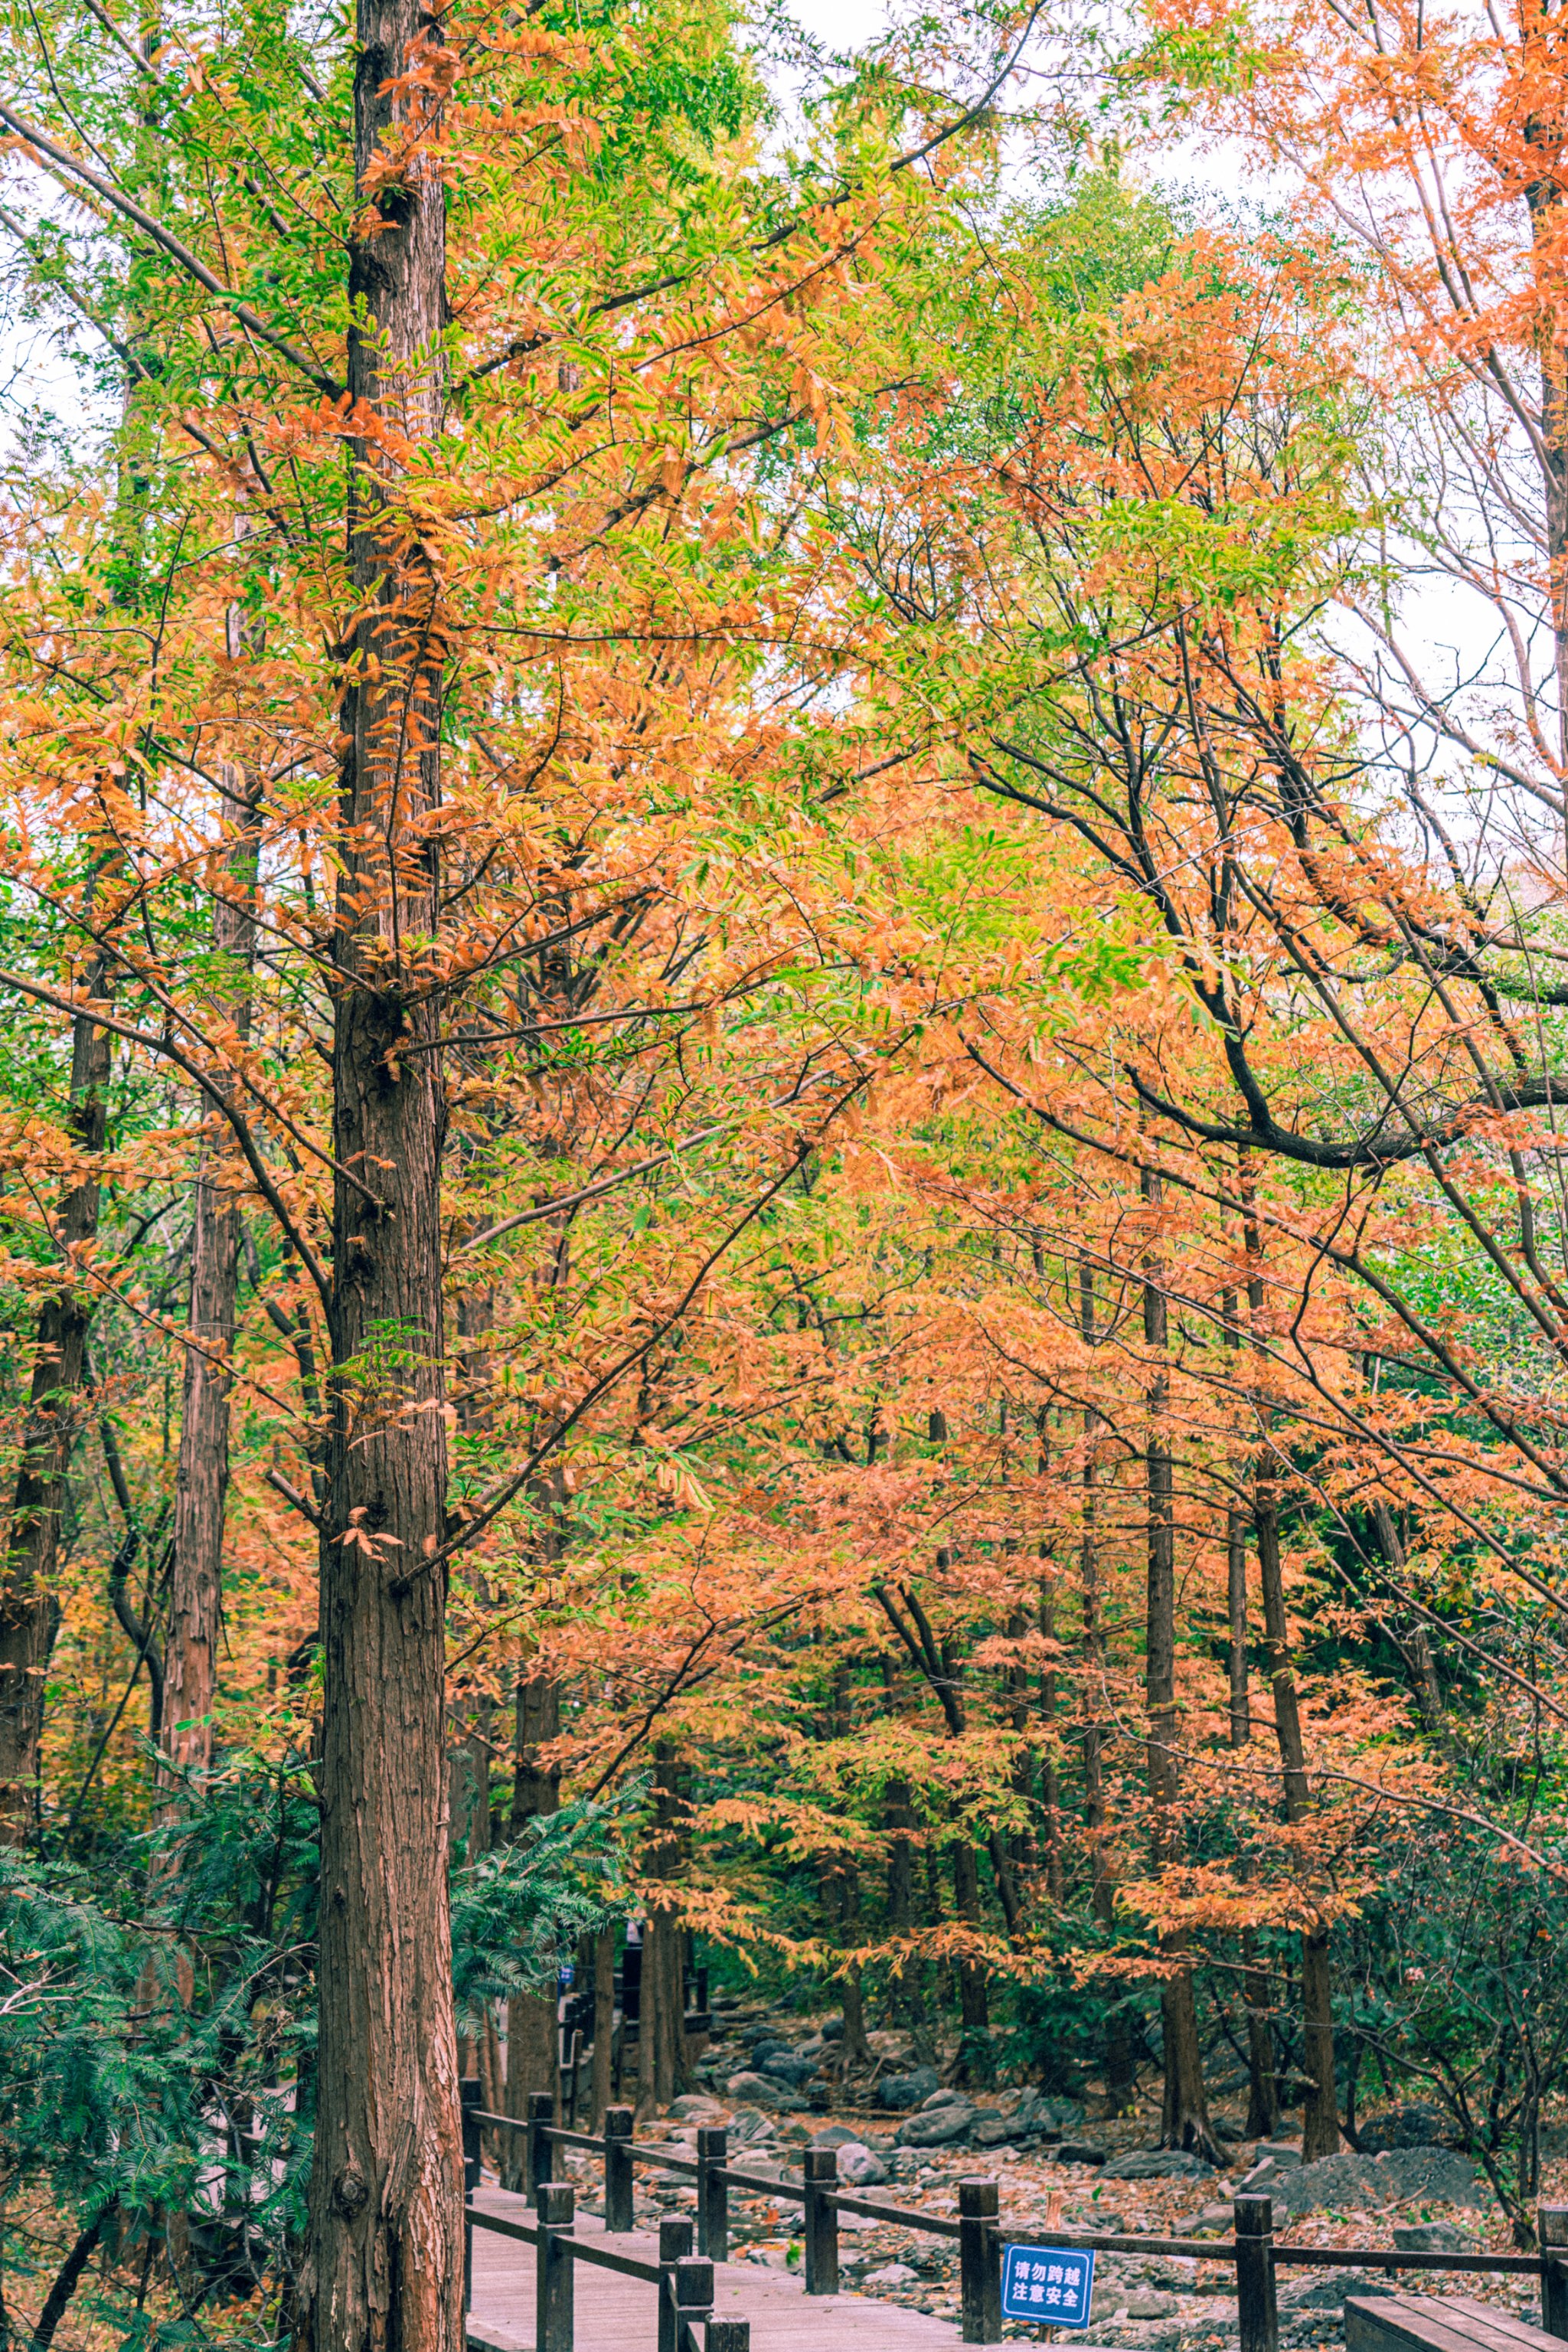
<point>1253,2249</point>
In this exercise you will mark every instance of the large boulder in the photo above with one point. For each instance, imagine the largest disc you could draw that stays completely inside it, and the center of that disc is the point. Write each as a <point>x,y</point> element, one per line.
<point>1038,2111</point>
<point>946,2099</point>
<point>789,2067</point>
<point>1436,2238</point>
<point>909,2090</point>
<point>1407,2127</point>
<point>1409,2176</point>
<point>859,2166</point>
<point>693,2108</point>
<point>1327,2290</point>
<point>1158,2164</point>
<point>1079,2151</point>
<point>764,2091</point>
<point>936,2126</point>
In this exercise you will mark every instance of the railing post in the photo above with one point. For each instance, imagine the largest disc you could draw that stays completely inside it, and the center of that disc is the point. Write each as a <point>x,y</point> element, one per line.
<point>1258,2313</point>
<point>618,2168</point>
<point>536,2148</point>
<point>729,2336</point>
<point>819,2170</point>
<point>553,2202</point>
<point>1551,2228</point>
<point>693,2300</point>
<point>674,2246</point>
<point>470,2091</point>
<point>712,2193</point>
<point>979,2263</point>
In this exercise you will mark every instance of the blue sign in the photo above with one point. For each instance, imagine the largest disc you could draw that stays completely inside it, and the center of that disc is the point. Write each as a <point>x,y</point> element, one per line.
<point>1052,2284</point>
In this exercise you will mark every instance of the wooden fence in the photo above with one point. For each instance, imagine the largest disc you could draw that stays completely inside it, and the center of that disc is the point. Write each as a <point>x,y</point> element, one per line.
<point>685,2282</point>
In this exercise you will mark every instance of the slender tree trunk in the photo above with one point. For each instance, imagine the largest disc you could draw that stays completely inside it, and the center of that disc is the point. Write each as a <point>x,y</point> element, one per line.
<point>1184,2120</point>
<point>533,2032</point>
<point>600,2077</point>
<point>29,1608</point>
<point>1321,2127</point>
<point>1121,2074</point>
<point>1235,1609</point>
<point>1321,2123</point>
<point>1417,1647</point>
<point>385,2268</point>
<point>976,2060</point>
<point>201,1488</point>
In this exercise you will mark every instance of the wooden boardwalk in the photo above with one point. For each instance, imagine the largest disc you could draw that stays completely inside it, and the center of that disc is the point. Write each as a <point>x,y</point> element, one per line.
<point>620,2315</point>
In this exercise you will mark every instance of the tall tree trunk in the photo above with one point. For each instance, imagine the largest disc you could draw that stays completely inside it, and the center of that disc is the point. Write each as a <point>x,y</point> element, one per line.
<point>30,1609</point>
<point>532,2032</point>
<point>384,2269</point>
<point>1184,2120</point>
<point>201,1487</point>
<point>1262,2077</point>
<point>976,2059</point>
<point>602,2074</point>
<point>1321,2123</point>
<point>1121,2074</point>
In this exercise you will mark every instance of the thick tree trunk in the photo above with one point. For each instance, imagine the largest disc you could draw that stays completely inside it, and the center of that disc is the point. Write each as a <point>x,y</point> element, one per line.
<point>201,1488</point>
<point>384,2269</point>
<point>30,1609</point>
<point>1184,2120</point>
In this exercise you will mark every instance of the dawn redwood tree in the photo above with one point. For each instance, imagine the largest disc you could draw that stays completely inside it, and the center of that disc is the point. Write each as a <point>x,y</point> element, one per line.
<point>385,2264</point>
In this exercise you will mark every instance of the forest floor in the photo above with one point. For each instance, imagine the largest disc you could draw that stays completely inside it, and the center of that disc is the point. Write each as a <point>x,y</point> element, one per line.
<point>1143,2303</point>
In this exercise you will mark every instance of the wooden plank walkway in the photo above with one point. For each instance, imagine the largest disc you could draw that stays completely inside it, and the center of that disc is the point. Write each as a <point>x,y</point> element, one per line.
<point>620,2315</point>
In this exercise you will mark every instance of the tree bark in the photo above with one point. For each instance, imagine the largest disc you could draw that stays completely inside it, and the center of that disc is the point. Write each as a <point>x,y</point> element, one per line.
<point>1320,2125</point>
<point>1185,2119</point>
<point>533,2030</point>
<point>1121,2074</point>
<point>29,1608</point>
<point>601,2078</point>
<point>201,1487</point>
<point>385,2267</point>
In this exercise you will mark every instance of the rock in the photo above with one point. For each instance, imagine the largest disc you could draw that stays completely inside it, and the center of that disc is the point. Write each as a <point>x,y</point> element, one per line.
<point>1079,2151</point>
<point>945,2099</point>
<point>1285,2153</point>
<point>693,2108</point>
<point>1033,2112</point>
<point>1328,2290</point>
<point>1435,2238</point>
<point>909,2090</point>
<point>764,2046</point>
<point>836,2136</point>
<point>1142,2304</point>
<point>859,2166</point>
<point>936,2126</point>
<point>764,2091</point>
<point>1407,2127</point>
<point>891,2274</point>
<point>833,2028</point>
<point>1158,2164</point>
<point>1212,2217</point>
<point>991,2130</point>
<point>1428,2176</point>
<point>791,2068</point>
